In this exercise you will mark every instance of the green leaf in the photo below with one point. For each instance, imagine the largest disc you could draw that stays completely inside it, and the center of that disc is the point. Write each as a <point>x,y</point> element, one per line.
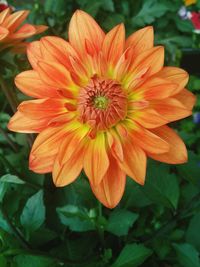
<point>77,219</point>
<point>34,261</point>
<point>134,196</point>
<point>111,21</point>
<point>120,221</point>
<point>92,7</point>
<point>183,25</point>
<point>162,187</point>
<point>150,10</point>
<point>190,170</point>
<point>108,5</point>
<point>3,261</point>
<point>56,7</point>
<point>132,255</point>
<point>193,233</point>
<point>188,256</point>
<point>9,178</point>
<point>33,214</point>
<point>3,188</point>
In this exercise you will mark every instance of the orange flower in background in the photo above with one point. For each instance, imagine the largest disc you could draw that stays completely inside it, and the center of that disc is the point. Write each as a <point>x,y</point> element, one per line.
<point>11,34</point>
<point>189,2</point>
<point>102,105</point>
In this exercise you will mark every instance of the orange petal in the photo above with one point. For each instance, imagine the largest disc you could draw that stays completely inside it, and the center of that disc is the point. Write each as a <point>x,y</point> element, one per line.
<point>141,40</point>
<point>34,53</point>
<point>71,143</point>
<point>26,31</point>
<point>4,14</point>
<point>113,44</point>
<point>115,145</point>
<point>174,75</point>
<point>45,148</point>
<point>144,65</point>
<point>55,75</point>
<point>23,124</point>
<point>3,33</point>
<point>40,28</point>
<point>135,160</point>
<point>83,27</point>
<point>155,88</point>
<point>13,21</point>
<point>177,153</point>
<point>148,118</point>
<point>64,174</point>
<point>110,191</point>
<point>41,164</point>
<point>171,109</point>
<point>96,160</point>
<point>29,83</point>
<point>56,49</point>
<point>148,141</point>
<point>186,98</point>
<point>42,108</point>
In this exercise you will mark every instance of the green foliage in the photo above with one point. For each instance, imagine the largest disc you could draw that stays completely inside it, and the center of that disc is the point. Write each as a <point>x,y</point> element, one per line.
<point>155,225</point>
<point>187,255</point>
<point>120,221</point>
<point>132,255</point>
<point>33,214</point>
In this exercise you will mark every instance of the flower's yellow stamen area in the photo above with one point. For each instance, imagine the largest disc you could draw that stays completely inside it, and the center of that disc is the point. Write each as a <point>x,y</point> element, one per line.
<point>101,102</point>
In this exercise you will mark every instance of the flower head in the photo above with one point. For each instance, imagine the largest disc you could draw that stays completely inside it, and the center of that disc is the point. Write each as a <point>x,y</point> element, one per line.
<point>102,105</point>
<point>11,34</point>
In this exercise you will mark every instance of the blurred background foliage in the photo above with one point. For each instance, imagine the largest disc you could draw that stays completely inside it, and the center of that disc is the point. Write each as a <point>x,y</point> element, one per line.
<point>153,226</point>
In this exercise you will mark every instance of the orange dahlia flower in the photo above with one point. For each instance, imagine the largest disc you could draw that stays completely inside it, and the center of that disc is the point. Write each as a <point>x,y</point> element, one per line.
<point>11,35</point>
<point>102,106</point>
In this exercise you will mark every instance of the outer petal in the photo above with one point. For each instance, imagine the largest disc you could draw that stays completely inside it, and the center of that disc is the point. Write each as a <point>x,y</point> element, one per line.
<point>56,49</point>
<point>83,27</point>
<point>56,75</point>
<point>141,40</point>
<point>186,98</point>
<point>25,31</point>
<point>70,144</point>
<point>155,88</point>
<point>23,124</point>
<point>96,160</point>
<point>113,44</point>
<point>134,164</point>
<point>148,141</point>
<point>4,14</point>
<point>177,153</point>
<point>171,109</point>
<point>14,20</point>
<point>110,191</point>
<point>42,108</point>
<point>174,75</point>
<point>29,83</point>
<point>3,33</point>
<point>66,173</point>
<point>148,118</point>
<point>143,66</point>
<point>45,149</point>
<point>34,53</point>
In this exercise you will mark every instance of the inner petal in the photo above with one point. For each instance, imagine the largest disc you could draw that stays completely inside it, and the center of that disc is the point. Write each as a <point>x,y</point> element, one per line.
<point>102,103</point>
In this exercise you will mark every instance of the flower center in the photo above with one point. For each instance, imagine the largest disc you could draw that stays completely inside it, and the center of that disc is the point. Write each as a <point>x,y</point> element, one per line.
<point>102,103</point>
